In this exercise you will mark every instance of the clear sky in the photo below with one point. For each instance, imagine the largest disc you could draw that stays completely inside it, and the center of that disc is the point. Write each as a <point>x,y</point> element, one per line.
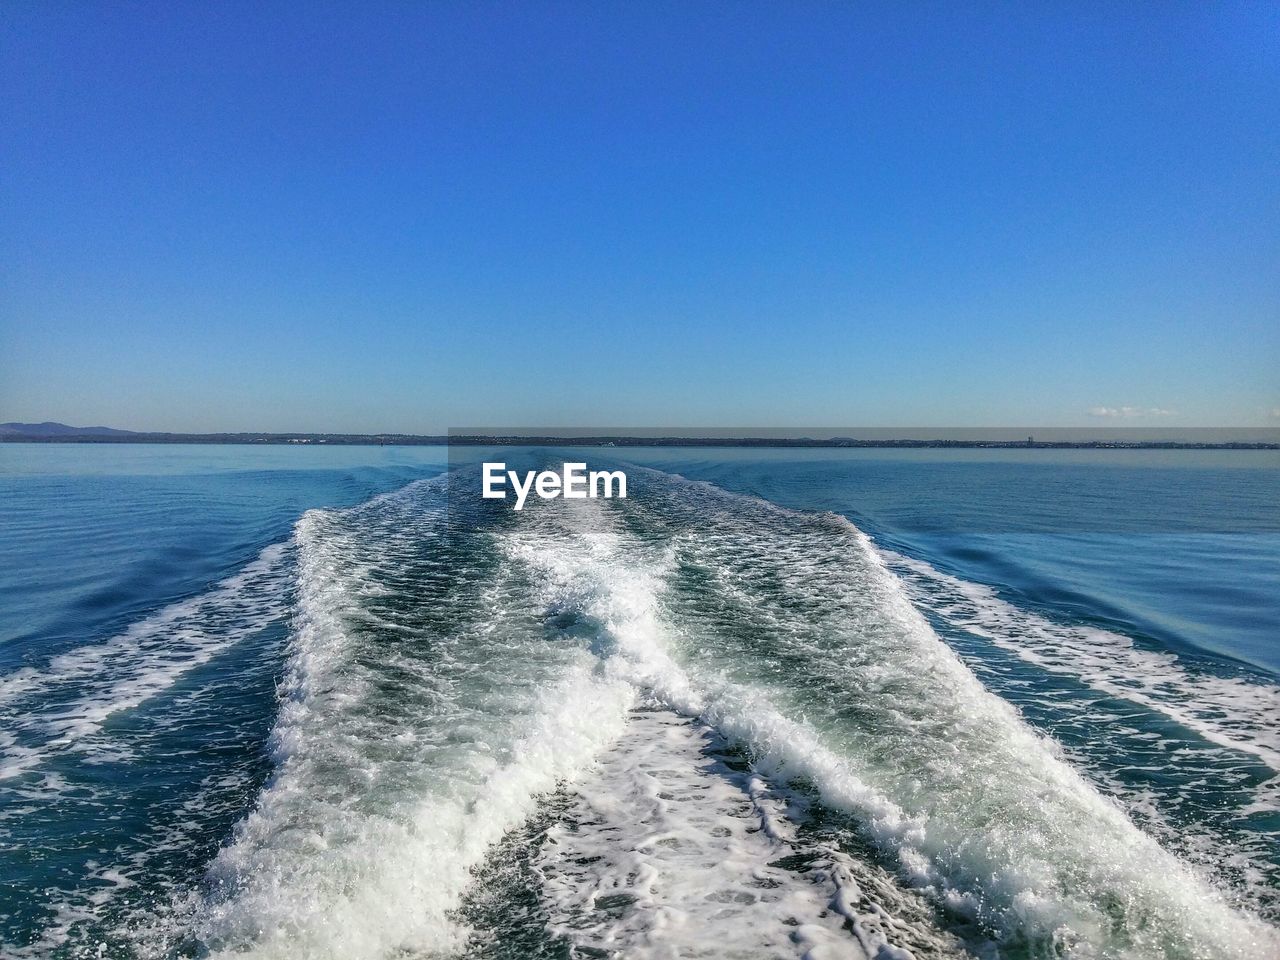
<point>406,216</point>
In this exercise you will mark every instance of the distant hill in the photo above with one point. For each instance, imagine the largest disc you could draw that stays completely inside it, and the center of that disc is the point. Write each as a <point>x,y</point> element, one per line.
<point>52,429</point>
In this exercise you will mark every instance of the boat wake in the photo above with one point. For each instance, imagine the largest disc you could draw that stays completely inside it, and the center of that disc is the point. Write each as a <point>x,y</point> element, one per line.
<point>684,724</point>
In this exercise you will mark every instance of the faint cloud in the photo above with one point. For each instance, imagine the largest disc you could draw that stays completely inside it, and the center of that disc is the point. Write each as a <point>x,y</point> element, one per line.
<point>1127,412</point>
<point>1275,413</point>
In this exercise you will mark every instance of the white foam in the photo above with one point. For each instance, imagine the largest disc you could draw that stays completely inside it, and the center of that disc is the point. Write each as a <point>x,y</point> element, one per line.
<point>1227,711</point>
<point>99,680</point>
<point>665,852</point>
<point>801,646</point>
<point>323,868</point>
<point>947,778</point>
<point>584,562</point>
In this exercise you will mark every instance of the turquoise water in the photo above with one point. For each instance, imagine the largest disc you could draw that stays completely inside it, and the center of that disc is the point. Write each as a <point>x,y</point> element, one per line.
<point>300,701</point>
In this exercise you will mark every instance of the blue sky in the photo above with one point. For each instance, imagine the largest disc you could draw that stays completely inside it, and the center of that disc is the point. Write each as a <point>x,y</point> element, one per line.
<point>397,216</point>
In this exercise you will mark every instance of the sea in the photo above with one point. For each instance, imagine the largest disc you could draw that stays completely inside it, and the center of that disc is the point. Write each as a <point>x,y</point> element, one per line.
<point>327,702</point>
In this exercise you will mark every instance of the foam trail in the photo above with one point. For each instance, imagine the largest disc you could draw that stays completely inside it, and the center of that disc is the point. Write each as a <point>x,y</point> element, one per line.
<point>974,805</point>
<point>364,841</point>
<point>1227,711</point>
<point>681,880</point>
<point>441,681</point>
<point>64,705</point>
<point>669,846</point>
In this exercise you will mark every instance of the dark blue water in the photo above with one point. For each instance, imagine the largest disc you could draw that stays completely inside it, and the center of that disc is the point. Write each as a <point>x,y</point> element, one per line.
<point>1125,603</point>
<point>98,536</point>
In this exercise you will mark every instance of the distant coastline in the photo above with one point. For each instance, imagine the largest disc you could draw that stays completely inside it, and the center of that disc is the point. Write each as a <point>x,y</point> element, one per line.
<point>61,433</point>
